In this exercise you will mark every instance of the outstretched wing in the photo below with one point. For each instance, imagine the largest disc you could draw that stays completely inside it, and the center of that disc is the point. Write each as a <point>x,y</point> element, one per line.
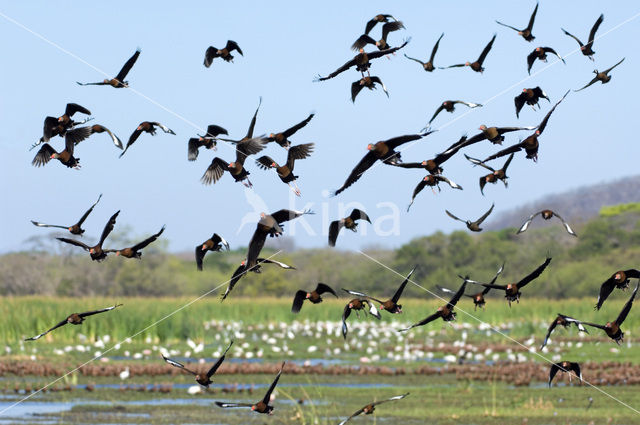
<point>475,161</point>
<point>267,396</point>
<point>595,27</point>
<point>549,331</point>
<point>345,315</point>
<point>362,295</point>
<point>37,223</point>
<point>252,125</point>
<point>457,296</point>
<point>389,27</point>
<point>75,242</point>
<point>544,122</point>
<point>552,372</point>
<point>531,58</point>
<point>86,214</point>
<point>33,338</point>
<point>177,364</point>
<point>533,275</point>
<point>72,108</point>
<point>398,397</point>
<point>291,131</point>
<point>108,228</point>
<point>237,275</point>
<point>356,88</point>
<point>298,152</point>
<point>485,215</point>
<point>362,41</point>
<point>627,307</point>
<point>488,47</point>
<point>215,171</point>
<point>532,18</point>
<point>394,142</point>
<point>200,253</point>
<point>453,216</point>
<point>435,114</point>
<point>323,288</point>
<point>365,163</point>
<point>414,59</point>
<point>232,405</point>
<point>606,71</point>
<point>215,367</point>
<point>381,53</point>
<point>511,149</point>
<point>127,66</point>
<point>508,26</point>
<point>398,293</point>
<point>334,230</point>
<point>358,214</point>
<point>435,48</point>
<point>358,412</point>
<point>526,224</point>
<point>340,70</point>
<point>232,45</point>
<point>298,299</point>
<point>423,322</point>
<point>573,36</point>
<point>147,241</point>
<point>91,313</point>
<point>566,225</point>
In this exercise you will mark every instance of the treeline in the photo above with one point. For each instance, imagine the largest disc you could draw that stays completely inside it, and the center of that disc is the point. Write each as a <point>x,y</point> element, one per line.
<point>605,244</point>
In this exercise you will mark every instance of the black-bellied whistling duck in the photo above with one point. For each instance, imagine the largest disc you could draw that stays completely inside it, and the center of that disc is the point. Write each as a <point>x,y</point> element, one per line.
<point>586,49</point>
<point>203,379</point>
<point>224,53</point>
<point>134,251</point>
<point>603,76</point>
<point>97,128</point>
<point>356,305</point>
<point>432,181</point>
<point>564,367</point>
<point>478,298</point>
<point>450,106</point>
<point>620,280</point>
<point>493,134</point>
<point>349,222</point>
<point>314,296</point>
<point>283,138</point>
<point>530,97</point>
<point>495,175</point>
<point>477,65</point>
<point>474,226</point>
<point>263,405</point>
<point>369,408</point>
<point>541,54</point>
<point>285,172</point>
<point>361,61</point>
<point>270,225</point>
<point>381,44</point>
<point>530,144</point>
<point>243,149</point>
<point>76,229</point>
<point>612,329</point>
<point>147,127</point>
<point>383,151</point>
<point>547,215</point>
<point>96,252</point>
<point>71,138</point>
<point>428,66</point>
<point>391,305</point>
<point>445,312</point>
<point>368,82</point>
<point>242,270</point>
<point>58,126</point>
<point>214,243</point>
<point>378,18</point>
<point>118,82</point>
<point>73,319</point>
<point>208,141</point>
<point>525,33</point>
<point>512,290</point>
<point>433,166</point>
<point>565,322</point>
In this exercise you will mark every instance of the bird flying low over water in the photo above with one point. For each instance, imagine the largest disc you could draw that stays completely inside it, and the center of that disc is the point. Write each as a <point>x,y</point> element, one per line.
<point>586,49</point>
<point>512,290</point>
<point>118,82</point>
<point>450,106</point>
<point>96,252</point>
<point>565,322</point>
<point>477,65</point>
<point>495,175</point>
<point>263,405</point>
<point>371,407</point>
<point>242,270</point>
<point>73,319</point>
<point>203,379</point>
<point>603,76</point>
<point>214,243</point>
<point>547,215</point>
<point>208,141</point>
<point>349,222</point>
<point>474,226</point>
<point>391,305</point>
<point>525,33</point>
<point>147,127</point>
<point>76,229</point>
<point>432,181</point>
<point>383,151</point>
<point>368,82</point>
<point>282,138</point>
<point>530,97</point>
<point>224,53</point>
<point>620,280</point>
<point>540,53</point>
<point>567,367</point>
<point>134,251</point>
<point>428,66</point>
<point>356,305</point>
<point>314,296</point>
<point>445,312</point>
<point>285,172</point>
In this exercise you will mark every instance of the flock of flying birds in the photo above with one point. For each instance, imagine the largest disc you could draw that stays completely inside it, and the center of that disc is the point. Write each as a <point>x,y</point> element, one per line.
<point>271,225</point>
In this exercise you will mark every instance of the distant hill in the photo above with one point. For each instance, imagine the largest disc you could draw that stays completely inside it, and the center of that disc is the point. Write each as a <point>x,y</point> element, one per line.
<point>576,206</point>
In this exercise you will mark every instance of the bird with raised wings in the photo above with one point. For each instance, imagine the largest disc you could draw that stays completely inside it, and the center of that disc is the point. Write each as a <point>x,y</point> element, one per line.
<point>225,53</point>
<point>146,127</point>
<point>540,53</point>
<point>134,251</point>
<point>428,66</point>
<point>285,171</point>
<point>214,243</point>
<point>432,181</point>
<point>433,166</point>
<point>531,97</point>
<point>444,312</point>
<point>565,322</point>
<point>391,305</point>
<point>203,379</point>
<point>242,270</point>
<point>477,65</point>
<point>349,222</point>
<point>526,32</point>
<point>474,226</point>
<point>118,82</point>
<point>282,138</point>
<point>75,229</point>
<point>619,280</point>
<point>603,76</point>
<point>368,82</point>
<point>314,297</point>
<point>494,175</point>
<point>58,126</point>
<point>208,141</point>
<point>546,215</point>
<point>356,305</point>
<point>263,405</point>
<point>567,367</point>
<point>243,149</point>
<point>73,319</point>
<point>96,252</point>
<point>450,106</point>
<point>371,407</point>
<point>587,49</point>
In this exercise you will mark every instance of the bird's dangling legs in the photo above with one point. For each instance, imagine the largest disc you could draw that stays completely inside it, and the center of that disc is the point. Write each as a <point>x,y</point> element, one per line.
<point>247,183</point>
<point>294,190</point>
<point>85,121</point>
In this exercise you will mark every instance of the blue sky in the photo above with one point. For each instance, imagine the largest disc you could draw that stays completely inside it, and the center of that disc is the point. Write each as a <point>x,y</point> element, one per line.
<point>590,138</point>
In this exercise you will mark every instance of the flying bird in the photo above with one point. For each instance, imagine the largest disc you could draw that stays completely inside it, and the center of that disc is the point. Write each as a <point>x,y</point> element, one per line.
<point>349,222</point>
<point>603,76</point>
<point>380,18</point>
<point>368,82</point>
<point>243,149</point>
<point>263,405</point>
<point>565,322</point>
<point>147,127</point>
<point>512,290</point>
<point>445,312</point>
<point>381,44</point>
<point>493,134</point>
<point>73,319</point>
<point>391,305</point>
<point>564,367</point>
<point>96,252</point>
<point>450,106</point>
<point>224,53</point>
<point>383,151</point>
<point>203,379</point>
<point>477,65</point>
<point>214,243</point>
<point>530,97</point>
<point>586,49</point>
<point>494,175</point>
<point>356,305</point>
<point>58,126</point>
<point>547,215</point>
<point>428,66</point>
<point>76,229</point>
<point>209,141</point>
<point>525,33</point>
<point>530,144</point>
<point>282,138</point>
<point>118,82</point>
<point>285,172</point>
<point>134,251</point>
<point>478,298</point>
<point>433,166</point>
<point>474,226</point>
<point>369,408</point>
<point>242,270</point>
<point>315,296</point>
<point>620,280</point>
<point>47,153</point>
<point>432,181</point>
<point>540,53</point>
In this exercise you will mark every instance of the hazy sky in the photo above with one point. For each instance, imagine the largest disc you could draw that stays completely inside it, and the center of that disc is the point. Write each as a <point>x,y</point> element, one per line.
<point>590,138</point>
